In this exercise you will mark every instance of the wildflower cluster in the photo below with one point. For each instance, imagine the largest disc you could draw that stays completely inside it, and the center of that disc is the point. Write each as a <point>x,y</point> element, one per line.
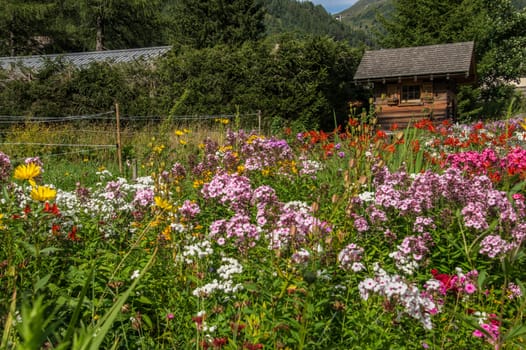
<point>397,291</point>
<point>224,283</point>
<point>350,256</point>
<point>278,222</point>
<point>456,283</point>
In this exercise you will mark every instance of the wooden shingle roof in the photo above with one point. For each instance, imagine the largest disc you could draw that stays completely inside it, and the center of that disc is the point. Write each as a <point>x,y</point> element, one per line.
<point>431,60</point>
<point>81,59</point>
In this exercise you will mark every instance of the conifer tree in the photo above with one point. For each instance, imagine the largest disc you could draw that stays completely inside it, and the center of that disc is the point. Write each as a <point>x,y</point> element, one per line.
<point>24,26</point>
<point>206,23</point>
<point>116,24</point>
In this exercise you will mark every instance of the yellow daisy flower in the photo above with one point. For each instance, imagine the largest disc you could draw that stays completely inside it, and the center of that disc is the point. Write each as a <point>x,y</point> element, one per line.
<point>27,171</point>
<point>43,193</point>
<point>162,203</point>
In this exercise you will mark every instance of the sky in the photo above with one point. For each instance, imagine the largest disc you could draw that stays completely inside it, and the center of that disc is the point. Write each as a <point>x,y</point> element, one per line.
<point>334,6</point>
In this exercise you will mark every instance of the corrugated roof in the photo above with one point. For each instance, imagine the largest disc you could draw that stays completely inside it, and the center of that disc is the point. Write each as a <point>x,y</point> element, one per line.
<point>80,59</point>
<point>441,59</point>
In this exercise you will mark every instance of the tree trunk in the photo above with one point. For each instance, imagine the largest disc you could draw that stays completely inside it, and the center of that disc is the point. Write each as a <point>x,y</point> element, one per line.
<point>11,43</point>
<point>99,44</point>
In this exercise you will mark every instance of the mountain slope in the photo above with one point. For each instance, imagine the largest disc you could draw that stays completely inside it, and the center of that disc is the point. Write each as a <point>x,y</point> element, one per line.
<point>362,15</point>
<point>291,16</point>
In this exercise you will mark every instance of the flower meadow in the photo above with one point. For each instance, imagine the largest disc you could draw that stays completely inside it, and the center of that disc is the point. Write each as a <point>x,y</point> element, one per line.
<point>354,239</point>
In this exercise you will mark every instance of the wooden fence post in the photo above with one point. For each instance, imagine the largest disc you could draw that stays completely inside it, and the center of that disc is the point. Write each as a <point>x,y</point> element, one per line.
<point>259,122</point>
<point>134,169</point>
<point>119,145</point>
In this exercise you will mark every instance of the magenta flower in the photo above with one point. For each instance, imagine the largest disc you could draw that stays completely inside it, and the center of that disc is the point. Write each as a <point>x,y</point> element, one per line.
<point>470,288</point>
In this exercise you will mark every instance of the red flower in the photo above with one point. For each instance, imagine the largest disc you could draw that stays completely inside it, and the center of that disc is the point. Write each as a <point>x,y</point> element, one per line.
<point>198,321</point>
<point>416,145</point>
<point>51,209</point>
<point>237,327</point>
<point>55,229</point>
<point>72,235</point>
<point>390,148</point>
<point>478,126</point>
<point>353,122</point>
<point>219,342</point>
<point>425,124</point>
<point>251,346</point>
<point>328,148</point>
<point>446,281</point>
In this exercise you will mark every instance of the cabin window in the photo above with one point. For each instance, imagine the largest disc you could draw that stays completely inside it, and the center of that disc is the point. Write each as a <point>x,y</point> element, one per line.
<point>392,94</point>
<point>410,93</point>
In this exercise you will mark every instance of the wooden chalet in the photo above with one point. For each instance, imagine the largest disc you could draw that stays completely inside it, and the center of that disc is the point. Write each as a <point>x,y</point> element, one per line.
<point>413,83</point>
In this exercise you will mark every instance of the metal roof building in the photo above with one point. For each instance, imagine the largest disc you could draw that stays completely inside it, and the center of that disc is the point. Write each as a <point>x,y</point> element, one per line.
<point>80,59</point>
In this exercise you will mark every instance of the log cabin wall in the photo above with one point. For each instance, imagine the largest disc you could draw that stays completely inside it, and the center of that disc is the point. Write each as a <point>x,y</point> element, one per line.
<point>406,101</point>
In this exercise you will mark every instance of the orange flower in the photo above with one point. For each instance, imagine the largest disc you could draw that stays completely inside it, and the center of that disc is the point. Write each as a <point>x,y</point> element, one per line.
<point>72,235</point>
<point>52,209</point>
<point>390,148</point>
<point>416,145</point>
<point>55,229</point>
<point>353,122</point>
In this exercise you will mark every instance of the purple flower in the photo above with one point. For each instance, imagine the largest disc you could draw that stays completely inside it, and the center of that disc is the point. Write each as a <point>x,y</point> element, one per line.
<point>301,256</point>
<point>360,223</point>
<point>189,209</point>
<point>350,256</point>
<point>34,160</point>
<point>514,291</point>
<point>178,171</point>
<point>143,197</point>
<point>494,245</point>
<point>5,167</point>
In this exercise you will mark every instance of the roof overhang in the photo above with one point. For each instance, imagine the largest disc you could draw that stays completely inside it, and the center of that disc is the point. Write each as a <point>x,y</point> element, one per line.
<point>442,61</point>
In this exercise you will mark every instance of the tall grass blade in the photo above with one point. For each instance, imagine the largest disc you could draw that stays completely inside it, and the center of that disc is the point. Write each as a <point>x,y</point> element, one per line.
<point>105,322</point>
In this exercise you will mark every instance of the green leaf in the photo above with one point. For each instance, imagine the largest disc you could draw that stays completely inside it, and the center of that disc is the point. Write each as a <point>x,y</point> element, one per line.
<point>517,188</point>
<point>49,250</point>
<point>41,283</point>
<point>147,320</point>
<point>144,300</point>
<point>515,332</point>
<point>76,313</point>
<point>103,325</point>
<point>481,279</point>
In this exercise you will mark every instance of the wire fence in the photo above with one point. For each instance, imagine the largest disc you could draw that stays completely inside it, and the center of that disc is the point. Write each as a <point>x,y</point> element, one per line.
<point>106,135</point>
<point>110,115</point>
